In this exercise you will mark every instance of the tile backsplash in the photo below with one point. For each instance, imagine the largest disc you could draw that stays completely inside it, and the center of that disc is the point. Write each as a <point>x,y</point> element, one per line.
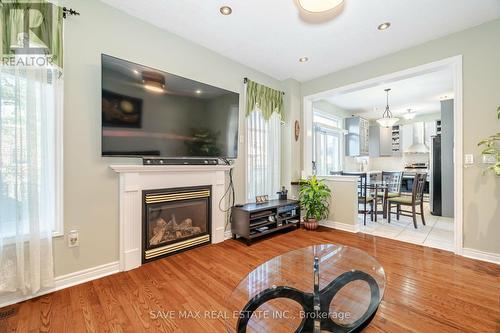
<point>383,163</point>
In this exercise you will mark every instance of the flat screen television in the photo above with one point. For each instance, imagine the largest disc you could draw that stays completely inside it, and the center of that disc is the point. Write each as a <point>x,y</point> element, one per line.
<point>150,113</point>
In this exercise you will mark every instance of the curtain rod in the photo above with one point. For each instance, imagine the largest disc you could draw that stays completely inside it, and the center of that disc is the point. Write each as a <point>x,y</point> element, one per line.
<point>245,81</point>
<point>69,11</point>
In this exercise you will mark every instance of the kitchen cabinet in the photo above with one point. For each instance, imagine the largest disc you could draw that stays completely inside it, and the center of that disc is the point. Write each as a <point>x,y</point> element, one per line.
<point>406,136</point>
<point>430,131</point>
<point>396,141</point>
<point>357,138</point>
<point>380,141</point>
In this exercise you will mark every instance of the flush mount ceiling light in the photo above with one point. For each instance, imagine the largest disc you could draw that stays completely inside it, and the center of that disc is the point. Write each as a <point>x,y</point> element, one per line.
<point>154,82</point>
<point>226,10</point>
<point>387,119</point>
<point>303,59</point>
<point>384,26</point>
<point>319,6</point>
<point>409,115</point>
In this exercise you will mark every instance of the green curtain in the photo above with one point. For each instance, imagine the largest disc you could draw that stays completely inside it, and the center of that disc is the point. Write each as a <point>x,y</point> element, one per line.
<point>266,99</point>
<point>46,32</point>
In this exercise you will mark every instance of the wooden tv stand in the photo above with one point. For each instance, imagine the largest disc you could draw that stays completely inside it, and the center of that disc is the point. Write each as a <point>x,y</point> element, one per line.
<point>252,221</point>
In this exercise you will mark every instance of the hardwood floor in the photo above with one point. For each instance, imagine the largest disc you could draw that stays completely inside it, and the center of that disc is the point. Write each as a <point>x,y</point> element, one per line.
<point>428,290</point>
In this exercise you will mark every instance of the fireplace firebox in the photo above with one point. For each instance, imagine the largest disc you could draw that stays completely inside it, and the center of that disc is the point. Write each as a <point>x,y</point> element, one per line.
<point>175,220</point>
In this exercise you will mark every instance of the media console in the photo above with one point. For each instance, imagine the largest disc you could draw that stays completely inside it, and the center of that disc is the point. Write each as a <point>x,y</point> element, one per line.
<point>252,221</point>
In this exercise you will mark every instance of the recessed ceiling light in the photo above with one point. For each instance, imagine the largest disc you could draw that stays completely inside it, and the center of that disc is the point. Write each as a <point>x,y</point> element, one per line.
<point>136,71</point>
<point>226,10</point>
<point>384,26</point>
<point>303,59</point>
<point>198,91</point>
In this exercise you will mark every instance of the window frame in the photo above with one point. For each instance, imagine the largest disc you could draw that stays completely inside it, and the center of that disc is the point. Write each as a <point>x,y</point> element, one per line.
<point>327,128</point>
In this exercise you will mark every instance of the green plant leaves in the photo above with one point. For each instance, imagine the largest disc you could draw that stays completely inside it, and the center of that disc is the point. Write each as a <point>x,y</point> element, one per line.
<point>314,197</point>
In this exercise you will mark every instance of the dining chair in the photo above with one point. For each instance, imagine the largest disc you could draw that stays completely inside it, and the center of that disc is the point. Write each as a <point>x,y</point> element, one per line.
<point>393,179</point>
<point>364,197</point>
<point>416,199</point>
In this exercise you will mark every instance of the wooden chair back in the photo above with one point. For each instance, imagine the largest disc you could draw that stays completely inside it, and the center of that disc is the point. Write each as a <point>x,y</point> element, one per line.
<point>418,187</point>
<point>394,179</point>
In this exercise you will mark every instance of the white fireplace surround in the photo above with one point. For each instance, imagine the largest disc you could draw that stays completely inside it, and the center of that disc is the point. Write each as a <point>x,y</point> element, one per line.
<point>136,178</point>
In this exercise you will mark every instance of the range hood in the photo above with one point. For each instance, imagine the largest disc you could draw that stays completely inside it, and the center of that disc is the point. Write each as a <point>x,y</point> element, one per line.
<point>418,146</point>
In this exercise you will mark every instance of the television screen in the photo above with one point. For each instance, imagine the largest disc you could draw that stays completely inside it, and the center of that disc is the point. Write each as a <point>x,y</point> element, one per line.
<point>147,113</point>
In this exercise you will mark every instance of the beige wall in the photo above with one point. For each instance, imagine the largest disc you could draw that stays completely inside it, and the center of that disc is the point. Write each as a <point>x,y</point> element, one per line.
<point>90,187</point>
<point>480,48</point>
<point>344,199</point>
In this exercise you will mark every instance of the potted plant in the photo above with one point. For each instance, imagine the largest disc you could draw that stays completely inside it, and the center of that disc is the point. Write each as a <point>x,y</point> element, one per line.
<point>491,148</point>
<point>314,198</point>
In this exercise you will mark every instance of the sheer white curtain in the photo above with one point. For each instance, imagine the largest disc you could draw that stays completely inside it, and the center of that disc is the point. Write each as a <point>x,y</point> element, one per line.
<point>263,155</point>
<point>29,99</point>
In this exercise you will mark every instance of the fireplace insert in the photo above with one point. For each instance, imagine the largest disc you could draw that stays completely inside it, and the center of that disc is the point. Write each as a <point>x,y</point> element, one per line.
<point>175,220</point>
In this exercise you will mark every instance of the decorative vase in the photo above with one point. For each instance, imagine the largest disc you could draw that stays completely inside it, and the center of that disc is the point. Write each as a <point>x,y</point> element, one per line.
<point>311,224</point>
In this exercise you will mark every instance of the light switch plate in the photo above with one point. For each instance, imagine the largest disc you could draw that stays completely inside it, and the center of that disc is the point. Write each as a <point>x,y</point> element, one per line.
<point>469,159</point>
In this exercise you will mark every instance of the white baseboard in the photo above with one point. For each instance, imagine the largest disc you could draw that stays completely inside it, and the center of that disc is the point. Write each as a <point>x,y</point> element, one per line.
<point>340,226</point>
<point>481,255</point>
<point>65,281</point>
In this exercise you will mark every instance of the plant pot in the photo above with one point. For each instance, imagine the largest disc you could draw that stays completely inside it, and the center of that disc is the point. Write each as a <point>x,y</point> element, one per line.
<point>311,224</point>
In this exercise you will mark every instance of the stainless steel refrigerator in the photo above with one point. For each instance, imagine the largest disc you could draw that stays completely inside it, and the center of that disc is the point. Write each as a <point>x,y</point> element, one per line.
<point>435,190</point>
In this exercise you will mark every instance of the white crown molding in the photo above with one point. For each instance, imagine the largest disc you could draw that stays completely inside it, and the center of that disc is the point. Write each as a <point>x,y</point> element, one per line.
<point>340,226</point>
<point>481,255</point>
<point>65,281</point>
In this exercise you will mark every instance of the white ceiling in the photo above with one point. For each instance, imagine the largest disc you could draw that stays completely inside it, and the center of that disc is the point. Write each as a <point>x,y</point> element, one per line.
<point>271,35</point>
<point>421,93</point>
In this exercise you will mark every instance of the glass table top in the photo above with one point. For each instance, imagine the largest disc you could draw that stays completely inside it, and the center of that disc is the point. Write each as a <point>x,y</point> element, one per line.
<point>320,288</point>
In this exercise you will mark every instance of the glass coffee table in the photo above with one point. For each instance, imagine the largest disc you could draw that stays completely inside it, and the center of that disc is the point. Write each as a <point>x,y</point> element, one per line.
<point>320,288</point>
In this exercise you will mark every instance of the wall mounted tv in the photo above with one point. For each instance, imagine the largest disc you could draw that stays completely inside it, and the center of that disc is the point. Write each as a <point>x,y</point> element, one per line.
<point>151,113</point>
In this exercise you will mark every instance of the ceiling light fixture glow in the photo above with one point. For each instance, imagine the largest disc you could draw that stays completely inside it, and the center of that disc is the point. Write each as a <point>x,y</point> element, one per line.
<point>198,91</point>
<point>384,26</point>
<point>387,119</point>
<point>155,87</point>
<point>319,6</point>
<point>303,59</point>
<point>409,115</point>
<point>226,10</point>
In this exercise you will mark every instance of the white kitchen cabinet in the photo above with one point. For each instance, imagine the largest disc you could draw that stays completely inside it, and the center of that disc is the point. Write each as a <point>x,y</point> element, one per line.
<point>430,131</point>
<point>406,134</point>
<point>357,140</point>
<point>380,141</point>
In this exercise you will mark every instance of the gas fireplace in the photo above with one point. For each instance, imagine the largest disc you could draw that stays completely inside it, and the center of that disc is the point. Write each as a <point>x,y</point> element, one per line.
<point>175,220</point>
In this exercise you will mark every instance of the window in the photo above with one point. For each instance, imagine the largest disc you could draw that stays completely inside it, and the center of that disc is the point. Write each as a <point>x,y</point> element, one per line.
<point>328,140</point>
<point>263,155</point>
<point>30,160</point>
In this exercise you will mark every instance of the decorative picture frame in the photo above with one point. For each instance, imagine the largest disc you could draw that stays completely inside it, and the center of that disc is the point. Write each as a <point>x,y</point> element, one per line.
<point>261,199</point>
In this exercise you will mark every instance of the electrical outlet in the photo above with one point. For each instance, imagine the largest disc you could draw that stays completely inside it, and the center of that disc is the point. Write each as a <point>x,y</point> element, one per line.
<point>469,159</point>
<point>73,238</point>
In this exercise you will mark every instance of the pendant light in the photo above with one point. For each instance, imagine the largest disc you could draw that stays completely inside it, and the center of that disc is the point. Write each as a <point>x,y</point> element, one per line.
<point>387,119</point>
<point>409,115</point>
<point>319,6</point>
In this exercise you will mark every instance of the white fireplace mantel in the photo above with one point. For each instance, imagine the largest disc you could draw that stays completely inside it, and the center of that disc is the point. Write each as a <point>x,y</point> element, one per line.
<point>136,178</point>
